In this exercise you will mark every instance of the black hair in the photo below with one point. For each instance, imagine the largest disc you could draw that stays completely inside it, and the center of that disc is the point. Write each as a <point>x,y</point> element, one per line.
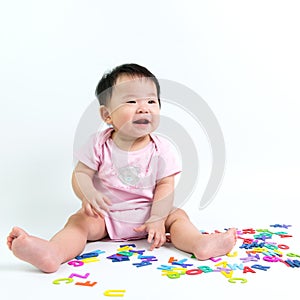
<point>104,88</point>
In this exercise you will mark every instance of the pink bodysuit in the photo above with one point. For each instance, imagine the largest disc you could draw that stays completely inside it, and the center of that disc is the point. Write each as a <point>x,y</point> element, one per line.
<point>128,179</point>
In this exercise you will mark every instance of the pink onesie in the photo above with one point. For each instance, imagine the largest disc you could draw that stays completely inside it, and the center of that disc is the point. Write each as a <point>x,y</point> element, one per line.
<point>128,179</point>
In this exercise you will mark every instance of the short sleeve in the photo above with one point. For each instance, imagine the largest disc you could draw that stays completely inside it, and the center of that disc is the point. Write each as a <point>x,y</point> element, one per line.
<point>169,161</point>
<point>89,154</point>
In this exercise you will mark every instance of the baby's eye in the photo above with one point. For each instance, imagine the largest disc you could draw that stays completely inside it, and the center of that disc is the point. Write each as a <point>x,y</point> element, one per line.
<point>152,101</point>
<point>131,101</point>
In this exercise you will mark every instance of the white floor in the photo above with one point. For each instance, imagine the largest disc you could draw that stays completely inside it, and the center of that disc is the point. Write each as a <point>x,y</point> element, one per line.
<point>19,280</point>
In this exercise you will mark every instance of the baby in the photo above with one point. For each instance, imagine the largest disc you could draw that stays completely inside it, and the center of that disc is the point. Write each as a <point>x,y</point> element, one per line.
<point>125,180</point>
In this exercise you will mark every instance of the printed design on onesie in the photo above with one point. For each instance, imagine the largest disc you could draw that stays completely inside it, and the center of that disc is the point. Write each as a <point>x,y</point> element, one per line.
<point>129,175</point>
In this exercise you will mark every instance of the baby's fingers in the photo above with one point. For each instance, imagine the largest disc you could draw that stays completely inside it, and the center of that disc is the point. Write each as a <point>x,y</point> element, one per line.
<point>158,240</point>
<point>150,237</point>
<point>103,203</point>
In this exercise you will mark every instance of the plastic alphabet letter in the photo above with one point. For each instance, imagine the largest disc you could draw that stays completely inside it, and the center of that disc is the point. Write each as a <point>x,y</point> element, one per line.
<point>66,280</point>
<point>286,226</point>
<point>281,226</point>
<point>263,236</point>
<point>171,259</point>
<point>297,263</point>
<point>271,247</point>
<point>235,279</point>
<point>76,263</point>
<point>165,268</point>
<point>264,230</point>
<point>87,283</point>
<point>114,293</point>
<point>142,264</point>
<point>293,255</point>
<point>99,251</point>
<point>173,275</point>
<point>271,258</point>
<point>277,252</point>
<point>90,260</point>
<point>182,261</point>
<point>176,272</point>
<point>137,251</point>
<point>248,269</point>
<point>87,255</point>
<point>285,235</point>
<point>215,259</point>
<point>194,272</point>
<point>275,225</point>
<point>79,276</point>
<point>281,233</point>
<point>248,241</point>
<point>260,267</point>
<point>227,275</point>
<point>118,257</point>
<point>247,259</point>
<point>128,245</point>
<point>234,254</point>
<point>177,263</point>
<point>293,263</point>
<point>125,253</point>
<point>145,256</point>
<point>206,269</point>
<point>222,263</point>
<point>248,230</point>
<point>125,248</point>
<point>181,271</point>
<point>149,259</point>
<point>235,266</point>
<point>219,269</point>
<point>284,247</point>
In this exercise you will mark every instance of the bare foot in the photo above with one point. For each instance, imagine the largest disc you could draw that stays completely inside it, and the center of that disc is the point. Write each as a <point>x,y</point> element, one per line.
<point>33,250</point>
<point>215,244</point>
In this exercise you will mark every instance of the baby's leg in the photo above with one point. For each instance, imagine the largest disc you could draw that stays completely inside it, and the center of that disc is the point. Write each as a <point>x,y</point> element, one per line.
<point>66,244</point>
<point>186,237</point>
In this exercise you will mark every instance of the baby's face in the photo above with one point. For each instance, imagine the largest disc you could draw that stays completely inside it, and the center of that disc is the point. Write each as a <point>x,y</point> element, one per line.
<point>134,107</point>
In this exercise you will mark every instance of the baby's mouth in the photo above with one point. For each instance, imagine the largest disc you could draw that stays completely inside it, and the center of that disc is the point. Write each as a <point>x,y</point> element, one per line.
<point>141,121</point>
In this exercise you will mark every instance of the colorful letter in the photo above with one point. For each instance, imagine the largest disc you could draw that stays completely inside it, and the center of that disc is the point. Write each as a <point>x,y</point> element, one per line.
<point>234,280</point>
<point>114,293</point>
<point>66,280</point>
<point>248,269</point>
<point>79,276</point>
<point>87,283</point>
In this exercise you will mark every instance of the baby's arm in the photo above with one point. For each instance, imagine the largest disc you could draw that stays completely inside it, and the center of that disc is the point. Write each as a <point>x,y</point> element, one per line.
<point>162,200</point>
<point>92,200</point>
<point>161,207</point>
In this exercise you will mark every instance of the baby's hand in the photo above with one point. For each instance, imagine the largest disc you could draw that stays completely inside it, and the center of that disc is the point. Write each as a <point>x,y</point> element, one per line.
<point>96,205</point>
<point>156,233</point>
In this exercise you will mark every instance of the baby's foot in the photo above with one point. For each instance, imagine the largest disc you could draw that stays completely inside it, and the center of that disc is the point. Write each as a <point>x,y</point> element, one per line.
<point>33,250</point>
<point>215,244</point>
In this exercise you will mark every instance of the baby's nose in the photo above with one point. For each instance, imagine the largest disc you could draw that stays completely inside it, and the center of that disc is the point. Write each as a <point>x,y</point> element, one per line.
<point>143,109</point>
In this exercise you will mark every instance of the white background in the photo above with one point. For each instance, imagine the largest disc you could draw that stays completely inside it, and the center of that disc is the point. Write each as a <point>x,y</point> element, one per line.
<point>241,57</point>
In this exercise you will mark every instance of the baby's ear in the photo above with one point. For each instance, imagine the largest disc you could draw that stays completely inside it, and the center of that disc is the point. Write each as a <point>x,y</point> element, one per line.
<point>105,114</point>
